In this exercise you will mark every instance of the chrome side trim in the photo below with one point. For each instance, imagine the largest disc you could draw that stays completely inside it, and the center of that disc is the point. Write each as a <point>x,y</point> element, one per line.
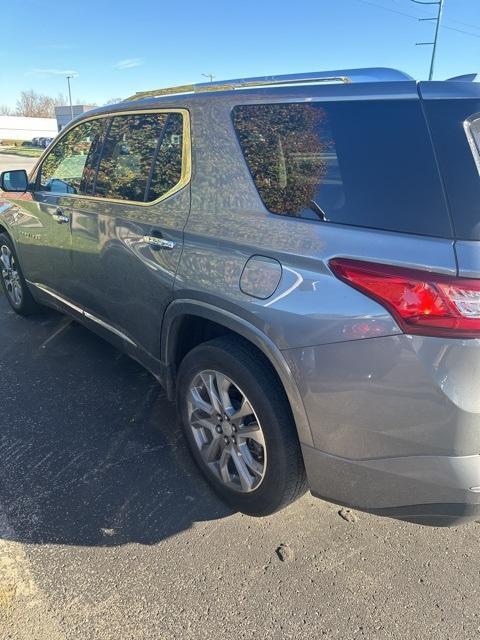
<point>109,327</point>
<point>472,138</point>
<point>49,292</point>
<point>82,312</point>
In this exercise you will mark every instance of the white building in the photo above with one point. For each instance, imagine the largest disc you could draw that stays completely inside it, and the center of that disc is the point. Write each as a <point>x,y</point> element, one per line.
<point>20,128</point>
<point>66,113</point>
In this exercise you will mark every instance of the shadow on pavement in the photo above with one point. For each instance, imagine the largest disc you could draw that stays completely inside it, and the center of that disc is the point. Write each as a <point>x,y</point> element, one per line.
<point>90,450</point>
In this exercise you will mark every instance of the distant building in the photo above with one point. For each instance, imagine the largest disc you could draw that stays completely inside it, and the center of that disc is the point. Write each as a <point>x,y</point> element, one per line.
<point>22,128</point>
<point>64,114</point>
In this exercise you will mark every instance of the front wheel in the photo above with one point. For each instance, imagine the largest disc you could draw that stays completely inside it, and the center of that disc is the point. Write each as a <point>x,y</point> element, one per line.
<point>239,426</point>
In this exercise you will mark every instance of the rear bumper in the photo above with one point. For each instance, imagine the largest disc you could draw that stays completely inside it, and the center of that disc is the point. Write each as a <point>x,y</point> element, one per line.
<point>395,425</point>
<point>431,490</point>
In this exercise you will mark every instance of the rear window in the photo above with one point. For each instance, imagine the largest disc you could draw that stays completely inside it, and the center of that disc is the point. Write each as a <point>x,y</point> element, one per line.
<point>368,163</point>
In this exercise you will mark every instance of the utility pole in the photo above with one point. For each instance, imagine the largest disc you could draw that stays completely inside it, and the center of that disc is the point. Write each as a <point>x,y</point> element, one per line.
<point>70,95</point>
<point>209,76</point>
<point>438,19</point>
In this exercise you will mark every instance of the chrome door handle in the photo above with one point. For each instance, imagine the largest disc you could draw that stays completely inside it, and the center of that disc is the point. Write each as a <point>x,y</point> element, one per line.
<point>159,243</point>
<point>60,217</point>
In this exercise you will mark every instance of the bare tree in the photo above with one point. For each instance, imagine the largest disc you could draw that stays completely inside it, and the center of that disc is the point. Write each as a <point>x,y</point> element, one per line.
<point>114,101</point>
<point>80,100</point>
<point>60,100</point>
<point>5,110</point>
<point>35,104</point>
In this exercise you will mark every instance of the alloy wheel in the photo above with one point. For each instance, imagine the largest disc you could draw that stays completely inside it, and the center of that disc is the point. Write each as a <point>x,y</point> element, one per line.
<point>11,276</point>
<point>227,431</point>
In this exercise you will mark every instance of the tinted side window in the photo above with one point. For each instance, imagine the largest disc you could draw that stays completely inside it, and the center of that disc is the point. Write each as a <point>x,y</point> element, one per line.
<point>142,157</point>
<point>63,169</point>
<point>459,166</point>
<point>167,170</point>
<point>363,163</point>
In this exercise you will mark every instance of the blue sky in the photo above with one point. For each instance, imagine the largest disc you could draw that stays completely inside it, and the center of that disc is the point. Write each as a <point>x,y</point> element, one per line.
<point>120,47</point>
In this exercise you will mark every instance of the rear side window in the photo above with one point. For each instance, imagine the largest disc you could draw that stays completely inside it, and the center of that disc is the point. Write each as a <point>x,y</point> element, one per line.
<point>141,158</point>
<point>366,163</point>
<point>167,169</point>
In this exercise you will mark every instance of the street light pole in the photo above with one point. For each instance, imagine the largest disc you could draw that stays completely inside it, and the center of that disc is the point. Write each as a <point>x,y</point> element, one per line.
<point>438,19</point>
<point>70,95</point>
<point>209,76</point>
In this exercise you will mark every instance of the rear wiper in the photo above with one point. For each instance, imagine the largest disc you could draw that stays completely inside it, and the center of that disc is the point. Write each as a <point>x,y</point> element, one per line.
<point>318,210</point>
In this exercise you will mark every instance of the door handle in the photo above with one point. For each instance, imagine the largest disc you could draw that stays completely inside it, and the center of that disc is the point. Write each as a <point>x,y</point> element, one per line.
<point>158,243</point>
<point>60,216</point>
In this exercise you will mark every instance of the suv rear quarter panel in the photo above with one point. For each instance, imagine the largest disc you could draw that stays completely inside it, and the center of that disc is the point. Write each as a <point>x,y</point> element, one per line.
<point>229,224</point>
<point>369,391</point>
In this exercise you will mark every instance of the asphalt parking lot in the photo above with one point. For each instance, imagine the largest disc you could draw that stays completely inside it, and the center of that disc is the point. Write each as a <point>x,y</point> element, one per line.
<point>107,530</point>
<point>11,161</point>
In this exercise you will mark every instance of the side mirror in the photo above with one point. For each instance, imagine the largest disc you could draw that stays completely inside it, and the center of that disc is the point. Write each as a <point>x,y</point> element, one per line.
<point>15,180</point>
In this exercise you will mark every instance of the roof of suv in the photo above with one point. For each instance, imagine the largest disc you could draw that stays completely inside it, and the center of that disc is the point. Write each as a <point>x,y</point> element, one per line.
<point>374,74</point>
<point>369,82</point>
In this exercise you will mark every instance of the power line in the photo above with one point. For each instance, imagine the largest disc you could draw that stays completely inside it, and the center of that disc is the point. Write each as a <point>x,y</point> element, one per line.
<point>468,33</point>
<point>465,24</point>
<point>410,15</point>
<point>379,6</point>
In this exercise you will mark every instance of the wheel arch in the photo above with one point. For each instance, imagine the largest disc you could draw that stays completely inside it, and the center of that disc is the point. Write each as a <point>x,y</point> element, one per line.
<point>171,339</point>
<point>6,228</point>
<point>3,229</point>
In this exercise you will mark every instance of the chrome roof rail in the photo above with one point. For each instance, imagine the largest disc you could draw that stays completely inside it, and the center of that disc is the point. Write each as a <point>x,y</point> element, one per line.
<point>343,76</point>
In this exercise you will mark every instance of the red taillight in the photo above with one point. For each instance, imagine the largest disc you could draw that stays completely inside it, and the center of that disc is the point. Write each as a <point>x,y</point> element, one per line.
<point>423,303</point>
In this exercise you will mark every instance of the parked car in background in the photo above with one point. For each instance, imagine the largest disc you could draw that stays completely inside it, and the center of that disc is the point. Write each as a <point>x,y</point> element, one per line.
<point>297,260</point>
<point>43,142</point>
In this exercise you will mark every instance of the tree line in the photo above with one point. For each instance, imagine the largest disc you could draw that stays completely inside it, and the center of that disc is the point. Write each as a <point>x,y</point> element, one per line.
<point>35,105</point>
<point>38,105</point>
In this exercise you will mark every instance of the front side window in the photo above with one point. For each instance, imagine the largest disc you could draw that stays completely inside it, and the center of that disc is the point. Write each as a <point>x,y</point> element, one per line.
<point>141,158</point>
<point>64,167</point>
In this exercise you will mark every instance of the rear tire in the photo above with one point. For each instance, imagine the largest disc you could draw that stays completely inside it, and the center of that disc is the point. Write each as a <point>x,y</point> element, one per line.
<point>239,426</point>
<point>13,283</point>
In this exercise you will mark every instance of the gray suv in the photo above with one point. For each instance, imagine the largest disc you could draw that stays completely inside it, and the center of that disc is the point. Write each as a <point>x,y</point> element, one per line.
<point>297,260</point>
